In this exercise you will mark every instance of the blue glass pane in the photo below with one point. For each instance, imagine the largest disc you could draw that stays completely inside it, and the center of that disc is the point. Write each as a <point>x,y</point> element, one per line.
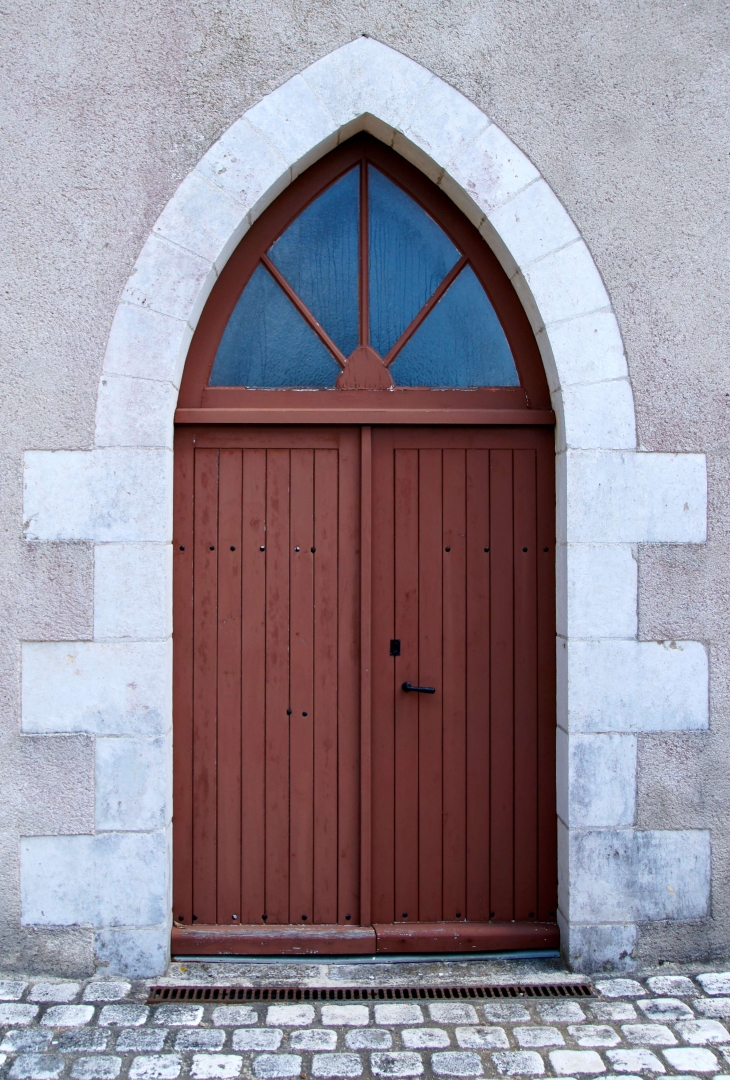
<point>460,343</point>
<point>267,343</point>
<point>409,256</point>
<point>318,257</point>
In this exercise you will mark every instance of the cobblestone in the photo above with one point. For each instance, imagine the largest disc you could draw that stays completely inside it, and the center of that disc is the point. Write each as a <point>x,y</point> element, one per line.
<point>101,1030</point>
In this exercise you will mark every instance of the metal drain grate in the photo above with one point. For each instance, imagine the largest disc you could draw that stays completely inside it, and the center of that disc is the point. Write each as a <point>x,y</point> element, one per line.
<point>365,993</point>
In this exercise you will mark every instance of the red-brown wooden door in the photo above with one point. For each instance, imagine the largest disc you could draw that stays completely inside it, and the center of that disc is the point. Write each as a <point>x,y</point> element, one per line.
<point>318,806</point>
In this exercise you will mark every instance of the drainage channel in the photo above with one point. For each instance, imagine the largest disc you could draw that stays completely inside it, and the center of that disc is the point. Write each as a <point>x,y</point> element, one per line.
<point>160,994</point>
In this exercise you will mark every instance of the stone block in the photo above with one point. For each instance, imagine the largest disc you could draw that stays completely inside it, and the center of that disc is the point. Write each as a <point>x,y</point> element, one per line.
<point>103,1067</point>
<point>518,1063</point>
<point>313,1039</point>
<point>111,494</point>
<point>613,1010</point>
<point>615,686</point>
<point>257,1039</point>
<point>620,988</point>
<point>133,784</point>
<point>486,173</point>
<point>215,1066</point>
<point>55,992</point>
<point>346,1015</point>
<point>447,1012</point>
<point>456,1063</point>
<point>691,1059</point>
<point>37,1067</point>
<point>67,1015</point>
<point>398,1014</point>
<point>247,167</point>
<point>83,1040</point>
<point>122,574</point>
<point>424,1038</point>
<point>715,982</point>
<point>566,284</point>
<point>613,497</point>
<point>594,1035</point>
<point>631,876</point>
<point>170,279</point>
<point>289,1015</point>
<point>666,1009</point>
<point>482,1038</point>
<point>597,416</point>
<point>506,1012</point>
<point>396,1064</point>
<point>273,1066</point>
<point>597,780</point>
<point>714,1007</point>
<point>11,989</point>
<point>144,344</point>
<point>651,1034</point>
<point>703,1032</point>
<point>596,947</point>
<point>140,1039</point>
<point>26,1041</point>
<point>532,1037</point>
<point>178,1015</point>
<point>141,952</point>
<point>587,349</point>
<point>200,1039</point>
<point>155,1067</point>
<point>599,582</point>
<point>579,1062</point>
<point>367,77</point>
<point>533,224</point>
<point>203,218</point>
<point>635,1061</point>
<point>672,985</point>
<point>106,990</point>
<point>296,123</point>
<point>102,688</point>
<point>134,412</point>
<point>234,1015</point>
<point>560,1012</point>
<point>336,1065</point>
<point>107,880</point>
<point>369,1039</point>
<point>16,1014</point>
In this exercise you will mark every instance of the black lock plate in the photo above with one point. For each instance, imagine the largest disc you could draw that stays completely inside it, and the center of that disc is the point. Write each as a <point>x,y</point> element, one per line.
<point>395,646</point>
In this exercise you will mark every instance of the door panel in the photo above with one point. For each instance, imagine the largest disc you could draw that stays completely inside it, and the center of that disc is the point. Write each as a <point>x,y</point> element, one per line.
<point>446,811</point>
<point>458,775</point>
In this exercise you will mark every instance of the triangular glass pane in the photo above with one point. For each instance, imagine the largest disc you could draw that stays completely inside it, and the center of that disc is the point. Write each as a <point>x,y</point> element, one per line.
<point>409,256</point>
<point>460,343</point>
<point>318,257</point>
<point>268,344</point>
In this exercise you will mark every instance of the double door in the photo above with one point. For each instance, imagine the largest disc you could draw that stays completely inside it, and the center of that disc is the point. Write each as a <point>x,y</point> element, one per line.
<point>364,689</point>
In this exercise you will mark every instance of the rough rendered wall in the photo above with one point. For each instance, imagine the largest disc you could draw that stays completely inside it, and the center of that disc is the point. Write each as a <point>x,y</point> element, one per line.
<point>107,106</point>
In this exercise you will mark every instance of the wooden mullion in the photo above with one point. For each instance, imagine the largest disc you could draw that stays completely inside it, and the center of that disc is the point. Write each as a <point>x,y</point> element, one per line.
<point>303,310</point>
<point>425,310</point>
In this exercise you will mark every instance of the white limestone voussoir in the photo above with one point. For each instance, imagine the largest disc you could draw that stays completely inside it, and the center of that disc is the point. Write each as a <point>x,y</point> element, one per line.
<point>441,124</point>
<point>104,688</point>
<point>565,284</point>
<point>533,224</point>
<point>366,76</point>
<point>247,167</point>
<point>587,349</point>
<point>133,784</point>
<point>295,121</point>
<point>597,416</point>
<point>123,573</point>
<point>107,494</point>
<point>134,412</point>
<point>632,497</point>
<point>636,685</point>
<point>598,583</point>
<point>596,780</point>
<point>628,875</point>
<point>487,173</point>
<point>113,879</point>
<point>170,279</point>
<point>144,344</point>
<point>203,218</point>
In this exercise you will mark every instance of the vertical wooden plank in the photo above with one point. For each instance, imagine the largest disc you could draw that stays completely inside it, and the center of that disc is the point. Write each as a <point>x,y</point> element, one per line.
<point>326,483</point>
<point>301,688</point>
<point>384,678</point>
<point>348,678</point>
<point>478,692</point>
<point>547,818</point>
<point>253,689</point>
<point>205,643</point>
<point>182,683</point>
<point>229,686</point>
<point>406,669</point>
<point>366,582</point>
<point>454,681</point>
<point>277,686</point>
<point>430,707</point>
<point>525,653</point>
<point>502,699</point>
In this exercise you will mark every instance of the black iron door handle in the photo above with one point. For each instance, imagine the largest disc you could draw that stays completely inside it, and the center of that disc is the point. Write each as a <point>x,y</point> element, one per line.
<point>410,689</point>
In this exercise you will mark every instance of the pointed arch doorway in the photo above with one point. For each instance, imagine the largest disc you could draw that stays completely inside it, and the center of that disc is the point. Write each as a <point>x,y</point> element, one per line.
<point>364,592</point>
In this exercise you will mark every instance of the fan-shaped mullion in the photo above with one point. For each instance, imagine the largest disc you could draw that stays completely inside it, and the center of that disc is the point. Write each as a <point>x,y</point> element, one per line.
<point>303,310</point>
<point>427,307</point>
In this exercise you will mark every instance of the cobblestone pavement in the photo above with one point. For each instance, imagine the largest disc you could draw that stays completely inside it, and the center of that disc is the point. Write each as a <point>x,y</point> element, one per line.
<point>101,1029</point>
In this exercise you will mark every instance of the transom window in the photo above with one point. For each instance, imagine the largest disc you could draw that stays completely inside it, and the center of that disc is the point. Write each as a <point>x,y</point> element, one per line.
<point>364,289</point>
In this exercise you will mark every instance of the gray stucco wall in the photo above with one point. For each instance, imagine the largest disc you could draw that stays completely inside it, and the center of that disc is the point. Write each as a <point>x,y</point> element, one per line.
<point>622,107</point>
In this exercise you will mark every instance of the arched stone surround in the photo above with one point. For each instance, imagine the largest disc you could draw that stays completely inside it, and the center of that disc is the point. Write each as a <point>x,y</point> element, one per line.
<point>611,496</point>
